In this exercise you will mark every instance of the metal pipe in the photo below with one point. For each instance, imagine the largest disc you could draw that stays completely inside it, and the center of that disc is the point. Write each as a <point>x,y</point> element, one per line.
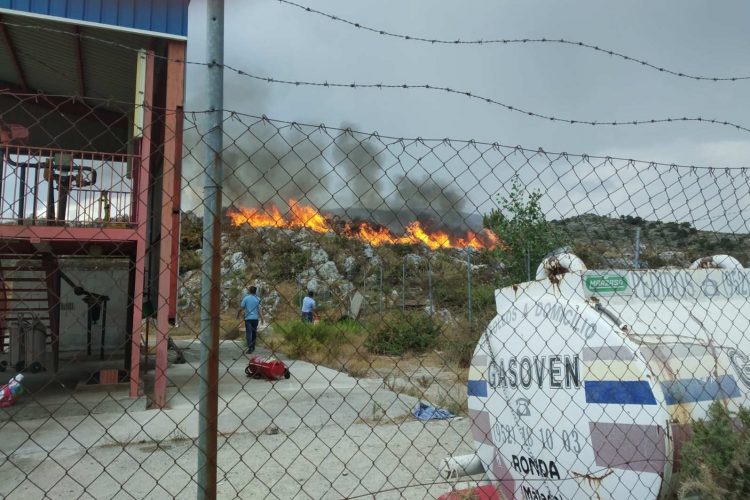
<point>104,329</point>
<point>89,326</point>
<point>468,280</point>
<point>528,264</point>
<point>21,193</point>
<point>637,263</point>
<point>4,153</point>
<point>380,297</point>
<point>403,285</point>
<point>210,287</point>
<point>429,281</point>
<point>35,197</point>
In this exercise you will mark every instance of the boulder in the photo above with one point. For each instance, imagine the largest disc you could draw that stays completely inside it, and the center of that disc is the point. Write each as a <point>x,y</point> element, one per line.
<point>413,259</point>
<point>237,262</point>
<point>318,256</point>
<point>350,266</point>
<point>328,272</point>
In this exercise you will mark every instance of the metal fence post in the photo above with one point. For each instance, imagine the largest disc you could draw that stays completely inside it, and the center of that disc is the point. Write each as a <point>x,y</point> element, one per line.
<point>637,253</point>
<point>429,282</point>
<point>403,285</point>
<point>528,263</point>
<point>380,297</point>
<point>210,286</point>
<point>468,280</point>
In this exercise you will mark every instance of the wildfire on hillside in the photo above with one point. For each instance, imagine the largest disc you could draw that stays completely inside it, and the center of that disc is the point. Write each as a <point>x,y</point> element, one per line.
<point>305,216</point>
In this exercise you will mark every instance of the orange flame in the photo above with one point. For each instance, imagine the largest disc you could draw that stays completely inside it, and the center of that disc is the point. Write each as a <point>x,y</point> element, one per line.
<point>305,216</point>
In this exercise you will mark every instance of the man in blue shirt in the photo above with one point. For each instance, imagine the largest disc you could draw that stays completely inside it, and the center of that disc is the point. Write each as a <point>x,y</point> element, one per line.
<point>308,307</point>
<point>250,305</point>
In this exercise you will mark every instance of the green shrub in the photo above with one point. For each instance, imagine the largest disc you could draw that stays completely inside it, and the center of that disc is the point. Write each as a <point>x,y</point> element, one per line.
<point>303,339</point>
<point>716,458</point>
<point>191,231</point>
<point>458,344</point>
<point>400,332</point>
<point>286,261</point>
<point>189,261</point>
<point>483,303</point>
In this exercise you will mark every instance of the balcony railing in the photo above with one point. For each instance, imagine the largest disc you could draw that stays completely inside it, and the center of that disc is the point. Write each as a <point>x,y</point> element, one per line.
<point>65,188</point>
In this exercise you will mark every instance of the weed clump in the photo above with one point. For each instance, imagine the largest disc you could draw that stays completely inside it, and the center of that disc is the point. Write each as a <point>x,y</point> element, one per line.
<point>401,332</point>
<point>716,458</point>
<point>305,339</point>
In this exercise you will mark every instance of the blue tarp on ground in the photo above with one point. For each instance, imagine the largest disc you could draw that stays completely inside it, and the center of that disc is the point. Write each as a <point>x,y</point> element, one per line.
<point>423,411</point>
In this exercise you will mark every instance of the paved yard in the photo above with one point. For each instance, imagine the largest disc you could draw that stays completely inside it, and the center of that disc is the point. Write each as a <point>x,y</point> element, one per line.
<point>320,434</point>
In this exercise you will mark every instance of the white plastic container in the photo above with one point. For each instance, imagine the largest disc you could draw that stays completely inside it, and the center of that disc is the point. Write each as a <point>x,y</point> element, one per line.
<point>584,384</point>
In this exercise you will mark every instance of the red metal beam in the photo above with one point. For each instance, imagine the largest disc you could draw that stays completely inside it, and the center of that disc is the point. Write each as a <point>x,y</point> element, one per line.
<point>175,92</point>
<point>35,234</point>
<point>173,157</point>
<point>141,218</point>
<point>79,62</point>
<point>52,276</point>
<point>13,56</point>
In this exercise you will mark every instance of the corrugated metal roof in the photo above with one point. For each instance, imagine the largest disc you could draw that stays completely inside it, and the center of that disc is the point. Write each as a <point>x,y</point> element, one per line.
<point>47,53</point>
<point>168,17</point>
<point>48,59</point>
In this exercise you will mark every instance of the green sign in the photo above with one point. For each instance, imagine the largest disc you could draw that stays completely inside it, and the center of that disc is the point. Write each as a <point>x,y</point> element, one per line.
<point>606,283</point>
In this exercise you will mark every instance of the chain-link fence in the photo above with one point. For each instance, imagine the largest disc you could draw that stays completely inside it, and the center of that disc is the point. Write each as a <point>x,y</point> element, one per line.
<point>398,317</point>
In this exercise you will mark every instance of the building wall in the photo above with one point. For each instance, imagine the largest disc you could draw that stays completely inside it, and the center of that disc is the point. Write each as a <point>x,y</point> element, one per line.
<point>160,16</point>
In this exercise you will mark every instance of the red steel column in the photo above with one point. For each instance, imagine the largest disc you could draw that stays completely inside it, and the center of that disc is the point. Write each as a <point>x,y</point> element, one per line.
<point>169,185</point>
<point>176,219</point>
<point>141,220</point>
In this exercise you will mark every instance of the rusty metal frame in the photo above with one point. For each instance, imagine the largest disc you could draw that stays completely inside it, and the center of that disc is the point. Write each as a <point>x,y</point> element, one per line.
<point>170,183</point>
<point>51,268</point>
<point>140,210</point>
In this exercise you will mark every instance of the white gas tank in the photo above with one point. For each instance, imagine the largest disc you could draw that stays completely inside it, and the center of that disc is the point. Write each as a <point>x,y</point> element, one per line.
<point>584,384</point>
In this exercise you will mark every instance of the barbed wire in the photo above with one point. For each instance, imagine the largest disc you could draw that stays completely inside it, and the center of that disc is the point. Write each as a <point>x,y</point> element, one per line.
<point>428,87</point>
<point>100,101</point>
<point>488,100</point>
<point>505,41</point>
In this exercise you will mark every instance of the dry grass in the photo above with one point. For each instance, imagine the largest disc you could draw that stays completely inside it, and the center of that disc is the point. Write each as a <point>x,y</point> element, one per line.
<point>425,381</point>
<point>272,343</point>
<point>230,327</point>
<point>357,368</point>
<point>288,309</point>
<point>454,404</point>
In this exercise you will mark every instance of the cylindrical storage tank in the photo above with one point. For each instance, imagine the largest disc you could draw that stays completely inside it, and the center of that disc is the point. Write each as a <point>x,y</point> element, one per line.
<point>584,386</point>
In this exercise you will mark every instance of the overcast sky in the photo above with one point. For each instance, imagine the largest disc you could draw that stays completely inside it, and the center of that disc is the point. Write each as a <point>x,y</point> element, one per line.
<point>707,38</point>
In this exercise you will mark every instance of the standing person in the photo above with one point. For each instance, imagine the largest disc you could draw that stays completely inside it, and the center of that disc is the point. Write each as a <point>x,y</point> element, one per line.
<point>308,307</point>
<point>250,305</point>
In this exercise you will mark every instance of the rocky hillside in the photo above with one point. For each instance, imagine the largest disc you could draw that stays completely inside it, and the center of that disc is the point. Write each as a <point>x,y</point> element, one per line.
<point>608,242</point>
<point>284,263</point>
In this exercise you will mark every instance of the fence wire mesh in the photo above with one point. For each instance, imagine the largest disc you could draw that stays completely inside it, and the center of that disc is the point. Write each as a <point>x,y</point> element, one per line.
<point>410,318</point>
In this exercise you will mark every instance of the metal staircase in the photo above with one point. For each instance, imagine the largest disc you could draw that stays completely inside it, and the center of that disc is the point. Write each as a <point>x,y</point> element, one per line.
<point>31,290</point>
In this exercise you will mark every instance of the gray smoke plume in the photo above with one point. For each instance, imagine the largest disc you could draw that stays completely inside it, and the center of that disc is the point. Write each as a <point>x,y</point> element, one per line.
<point>357,169</point>
<point>344,173</point>
<point>431,200</point>
<point>267,166</point>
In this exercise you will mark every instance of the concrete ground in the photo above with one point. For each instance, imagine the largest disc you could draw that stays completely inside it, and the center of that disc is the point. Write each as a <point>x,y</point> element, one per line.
<point>320,434</point>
